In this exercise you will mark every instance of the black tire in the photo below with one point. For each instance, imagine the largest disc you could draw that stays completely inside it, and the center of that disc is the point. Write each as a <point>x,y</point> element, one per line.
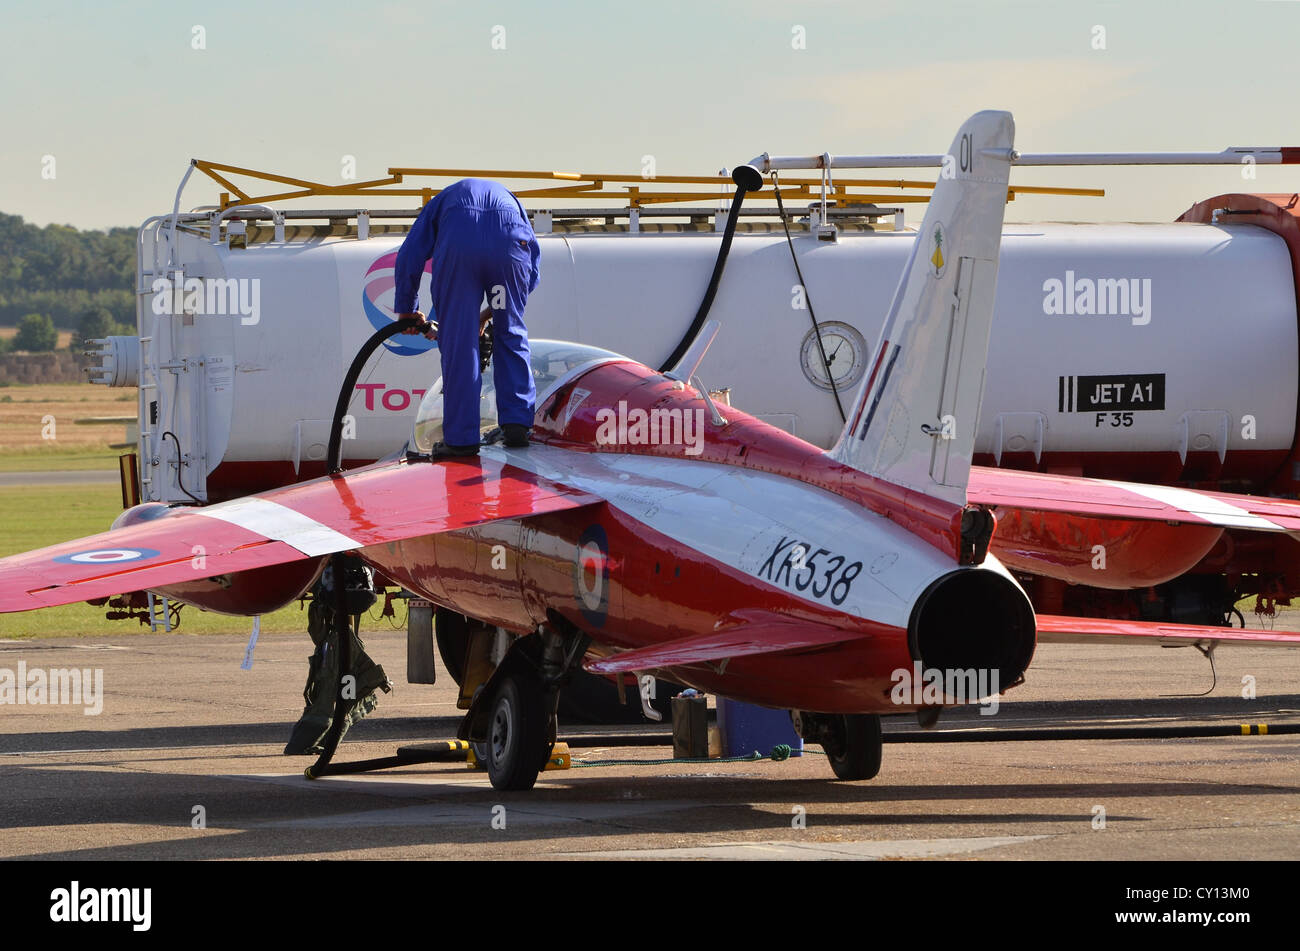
<point>855,746</point>
<point>481,749</point>
<point>519,733</point>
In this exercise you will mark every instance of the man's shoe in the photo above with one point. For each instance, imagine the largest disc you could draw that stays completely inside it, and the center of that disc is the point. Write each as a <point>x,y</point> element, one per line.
<point>516,435</point>
<point>442,450</point>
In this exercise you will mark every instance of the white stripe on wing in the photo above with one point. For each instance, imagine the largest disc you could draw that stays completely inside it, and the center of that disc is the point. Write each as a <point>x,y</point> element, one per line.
<point>281,523</point>
<point>1215,511</point>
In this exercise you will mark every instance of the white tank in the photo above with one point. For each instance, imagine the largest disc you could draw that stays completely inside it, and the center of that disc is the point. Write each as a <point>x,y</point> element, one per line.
<point>1130,339</point>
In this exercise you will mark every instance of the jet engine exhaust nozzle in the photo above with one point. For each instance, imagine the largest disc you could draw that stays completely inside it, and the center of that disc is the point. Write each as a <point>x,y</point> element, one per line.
<point>974,620</point>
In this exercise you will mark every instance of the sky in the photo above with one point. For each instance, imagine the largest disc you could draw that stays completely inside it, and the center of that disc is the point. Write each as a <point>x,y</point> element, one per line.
<point>102,105</point>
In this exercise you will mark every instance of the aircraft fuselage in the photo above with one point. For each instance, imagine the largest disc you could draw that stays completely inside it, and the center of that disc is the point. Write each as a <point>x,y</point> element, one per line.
<point>689,544</point>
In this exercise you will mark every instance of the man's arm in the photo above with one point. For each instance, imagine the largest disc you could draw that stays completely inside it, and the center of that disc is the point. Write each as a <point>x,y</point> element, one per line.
<point>534,249</point>
<point>411,257</point>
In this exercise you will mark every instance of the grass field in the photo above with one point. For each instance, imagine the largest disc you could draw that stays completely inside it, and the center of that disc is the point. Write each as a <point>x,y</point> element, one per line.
<point>35,516</point>
<point>31,441</point>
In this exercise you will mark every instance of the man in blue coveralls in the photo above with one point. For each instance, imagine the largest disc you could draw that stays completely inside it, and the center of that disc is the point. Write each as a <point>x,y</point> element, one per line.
<point>481,242</point>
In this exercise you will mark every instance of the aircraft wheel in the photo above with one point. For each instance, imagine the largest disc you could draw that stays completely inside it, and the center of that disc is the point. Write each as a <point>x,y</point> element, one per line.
<point>854,746</point>
<point>481,749</point>
<point>519,734</point>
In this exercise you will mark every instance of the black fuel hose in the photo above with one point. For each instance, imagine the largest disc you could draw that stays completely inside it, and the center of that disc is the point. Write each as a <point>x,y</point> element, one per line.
<point>747,179</point>
<point>342,622</point>
<point>333,456</point>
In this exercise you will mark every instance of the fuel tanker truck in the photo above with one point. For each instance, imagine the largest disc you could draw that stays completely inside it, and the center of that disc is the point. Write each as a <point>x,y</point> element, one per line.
<point>1159,353</point>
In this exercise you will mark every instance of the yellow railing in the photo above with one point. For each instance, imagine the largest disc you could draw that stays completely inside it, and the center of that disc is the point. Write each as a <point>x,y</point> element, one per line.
<point>633,191</point>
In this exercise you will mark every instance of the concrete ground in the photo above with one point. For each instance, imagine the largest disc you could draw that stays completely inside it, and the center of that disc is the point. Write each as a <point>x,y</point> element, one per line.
<point>184,732</point>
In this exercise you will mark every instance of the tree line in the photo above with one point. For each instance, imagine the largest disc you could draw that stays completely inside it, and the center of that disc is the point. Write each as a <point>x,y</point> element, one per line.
<point>62,278</point>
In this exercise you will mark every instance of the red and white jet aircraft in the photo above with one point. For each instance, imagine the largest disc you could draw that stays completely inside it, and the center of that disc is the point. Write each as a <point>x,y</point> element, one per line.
<point>749,564</point>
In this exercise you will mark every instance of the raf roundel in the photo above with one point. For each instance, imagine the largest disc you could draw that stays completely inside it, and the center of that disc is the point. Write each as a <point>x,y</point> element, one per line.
<point>106,556</point>
<point>591,575</point>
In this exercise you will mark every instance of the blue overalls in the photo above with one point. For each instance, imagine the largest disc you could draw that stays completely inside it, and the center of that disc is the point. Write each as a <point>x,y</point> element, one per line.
<point>481,242</point>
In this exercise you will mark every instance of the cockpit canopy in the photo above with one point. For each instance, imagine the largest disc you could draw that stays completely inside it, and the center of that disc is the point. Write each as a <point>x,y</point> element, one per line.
<point>554,363</point>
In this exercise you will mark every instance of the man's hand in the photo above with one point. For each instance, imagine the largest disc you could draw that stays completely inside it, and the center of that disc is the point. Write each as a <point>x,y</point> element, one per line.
<point>419,325</point>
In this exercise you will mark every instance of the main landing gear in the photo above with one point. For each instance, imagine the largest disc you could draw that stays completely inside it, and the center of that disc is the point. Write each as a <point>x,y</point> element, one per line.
<point>853,742</point>
<point>521,734</point>
<point>587,698</point>
<point>511,720</point>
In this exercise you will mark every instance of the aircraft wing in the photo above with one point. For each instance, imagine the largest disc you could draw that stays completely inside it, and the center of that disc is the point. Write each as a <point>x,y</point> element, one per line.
<point>1080,630</point>
<point>1103,498</point>
<point>1129,501</point>
<point>758,633</point>
<point>386,502</point>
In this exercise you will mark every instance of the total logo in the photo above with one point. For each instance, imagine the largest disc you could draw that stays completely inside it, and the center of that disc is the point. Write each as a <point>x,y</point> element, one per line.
<point>377,302</point>
<point>394,398</point>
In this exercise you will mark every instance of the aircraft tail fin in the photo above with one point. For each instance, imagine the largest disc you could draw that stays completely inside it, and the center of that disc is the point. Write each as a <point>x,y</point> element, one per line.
<point>913,423</point>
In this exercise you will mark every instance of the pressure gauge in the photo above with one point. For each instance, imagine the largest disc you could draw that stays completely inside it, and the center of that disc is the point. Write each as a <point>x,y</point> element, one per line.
<point>846,356</point>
